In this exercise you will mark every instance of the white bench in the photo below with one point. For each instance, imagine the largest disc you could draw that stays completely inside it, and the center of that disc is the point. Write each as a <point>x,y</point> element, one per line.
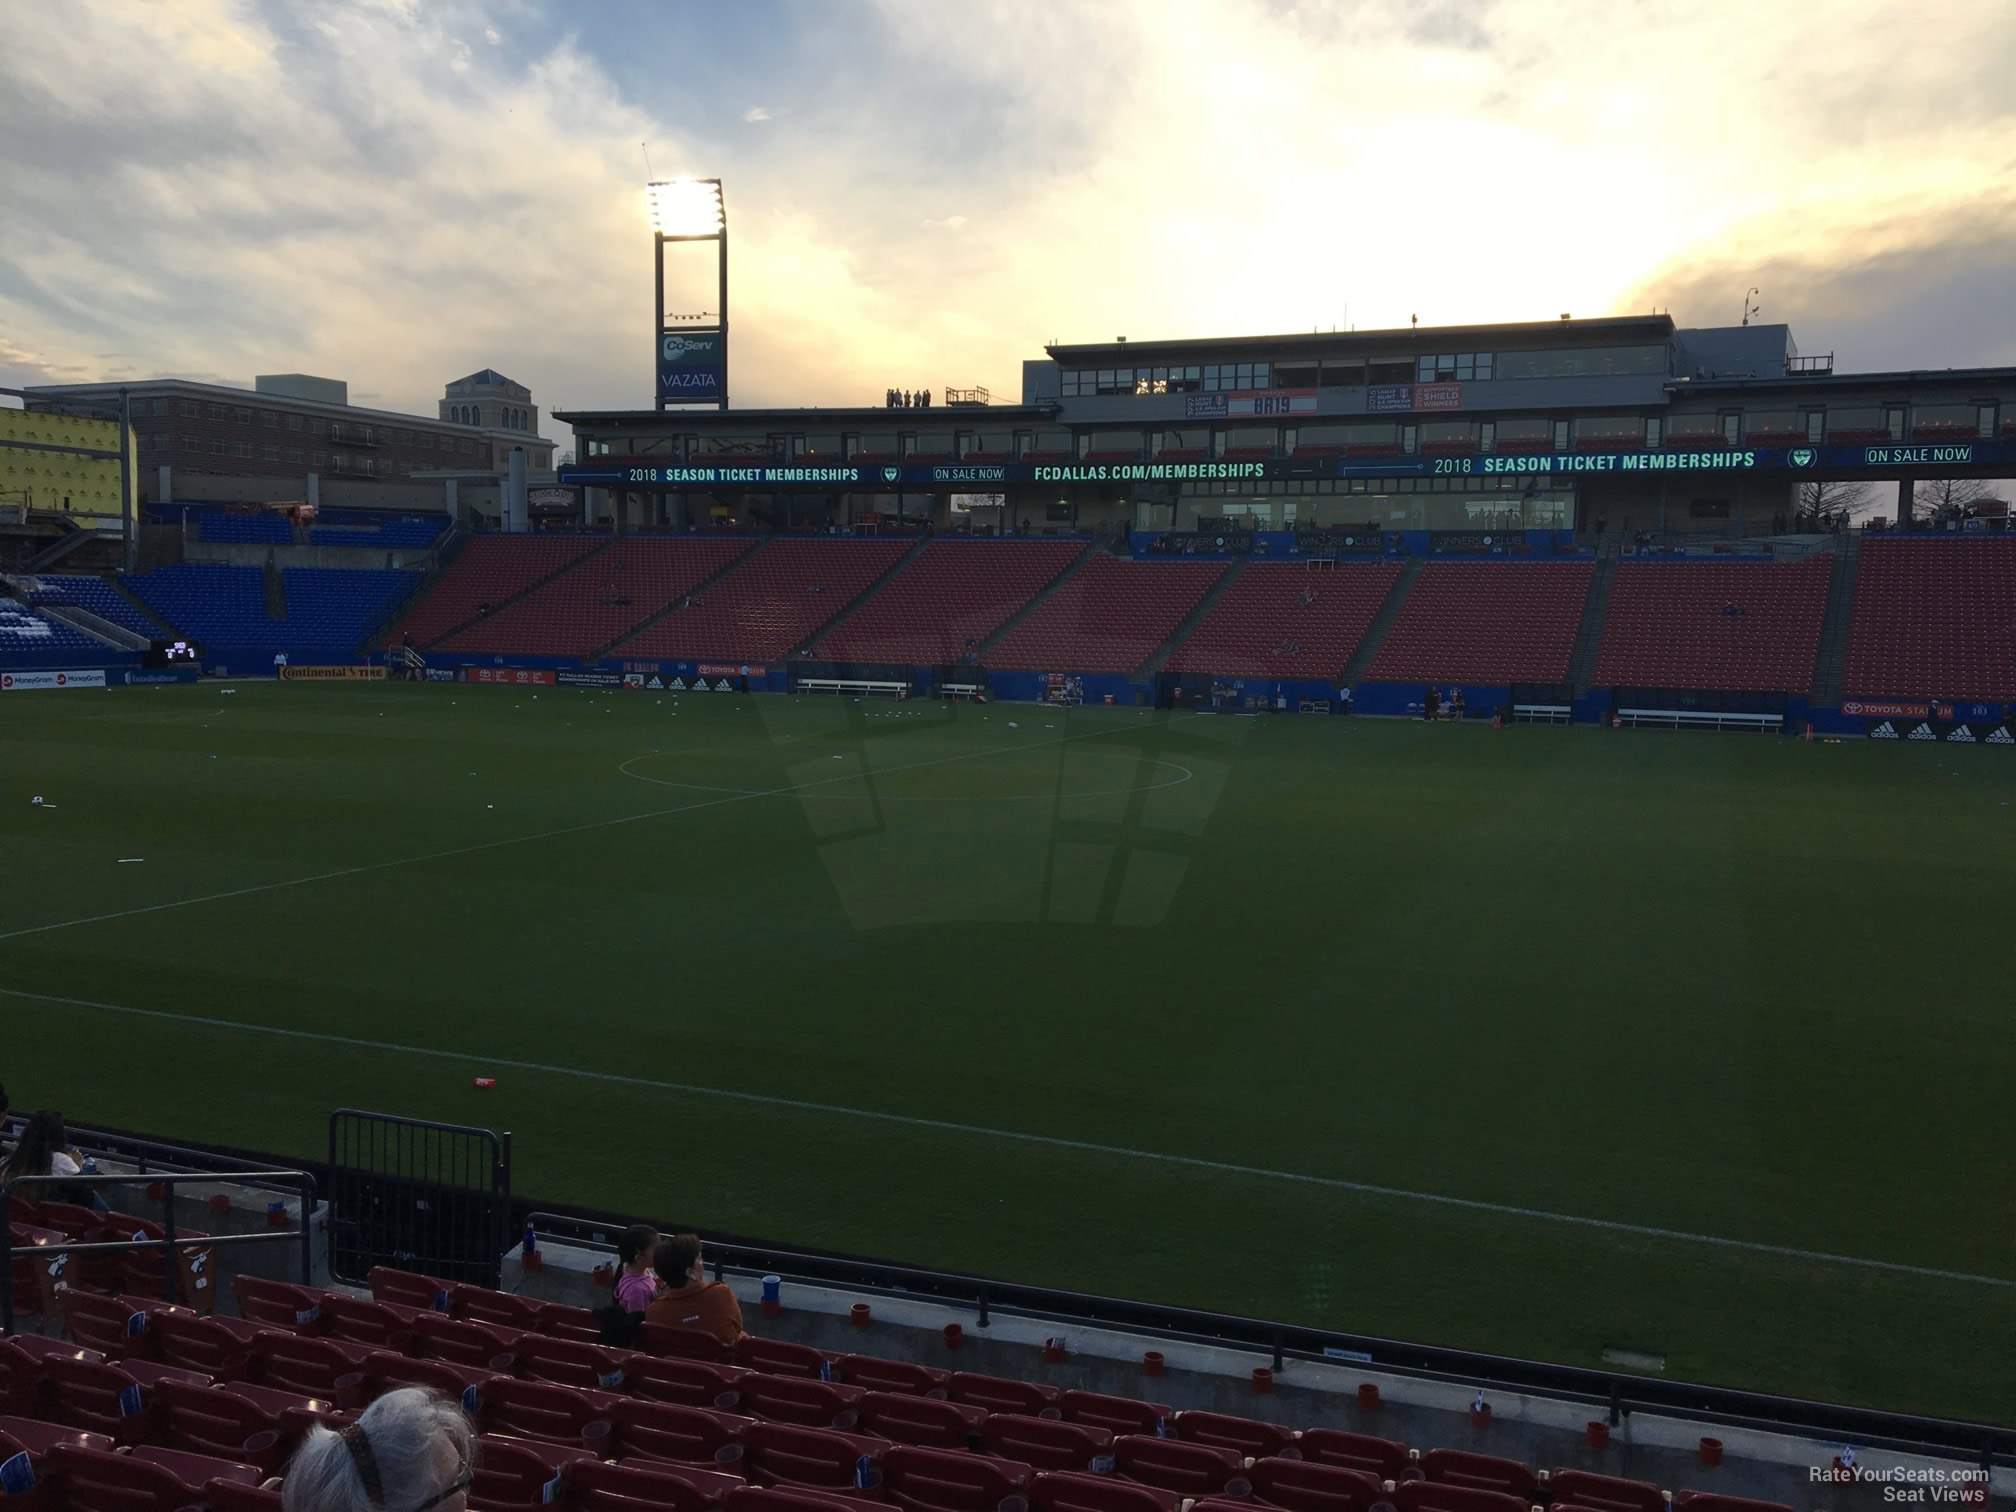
<point>960,690</point>
<point>1707,719</point>
<point>1540,713</point>
<point>866,686</point>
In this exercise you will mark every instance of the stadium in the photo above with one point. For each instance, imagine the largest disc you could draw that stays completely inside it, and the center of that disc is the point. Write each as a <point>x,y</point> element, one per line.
<point>1334,921</point>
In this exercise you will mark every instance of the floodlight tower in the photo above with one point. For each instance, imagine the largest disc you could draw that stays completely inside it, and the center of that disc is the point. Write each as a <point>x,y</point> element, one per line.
<point>692,354</point>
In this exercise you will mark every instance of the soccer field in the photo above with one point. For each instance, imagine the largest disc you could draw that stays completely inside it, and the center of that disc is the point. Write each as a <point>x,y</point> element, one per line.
<point>1541,1041</point>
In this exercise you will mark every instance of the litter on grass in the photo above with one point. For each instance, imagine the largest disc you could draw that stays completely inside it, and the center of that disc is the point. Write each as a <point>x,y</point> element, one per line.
<point>130,860</point>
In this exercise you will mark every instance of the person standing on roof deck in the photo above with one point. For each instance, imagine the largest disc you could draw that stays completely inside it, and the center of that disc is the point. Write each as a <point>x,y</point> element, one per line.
<point>690,1300</point>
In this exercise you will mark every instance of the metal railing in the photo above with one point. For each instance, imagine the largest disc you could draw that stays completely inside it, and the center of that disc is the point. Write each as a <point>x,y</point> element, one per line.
<point>171,1242</point>
<point>1616,1396</point>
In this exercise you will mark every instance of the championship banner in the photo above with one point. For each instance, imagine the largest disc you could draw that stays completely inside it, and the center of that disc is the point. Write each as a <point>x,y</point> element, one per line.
<point>517,677</point>
<point>332,674</point>
<point>1266,403</point>
<point>28,682</point>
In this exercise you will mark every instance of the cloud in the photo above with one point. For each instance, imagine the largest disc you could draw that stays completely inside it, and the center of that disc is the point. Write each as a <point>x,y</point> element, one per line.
<point>491,35</point>
<point>350,188</point>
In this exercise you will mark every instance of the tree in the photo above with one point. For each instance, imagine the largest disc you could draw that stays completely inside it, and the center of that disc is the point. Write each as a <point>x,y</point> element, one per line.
<point>1830,504</point>
<point>1940,499</point>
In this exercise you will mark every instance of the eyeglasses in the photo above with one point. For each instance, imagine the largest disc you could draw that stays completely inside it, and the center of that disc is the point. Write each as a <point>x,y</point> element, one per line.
<point>456,1487</point>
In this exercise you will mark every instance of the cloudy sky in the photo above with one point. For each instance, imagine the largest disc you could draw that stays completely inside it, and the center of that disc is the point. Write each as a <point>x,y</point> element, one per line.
<point>396,192</point>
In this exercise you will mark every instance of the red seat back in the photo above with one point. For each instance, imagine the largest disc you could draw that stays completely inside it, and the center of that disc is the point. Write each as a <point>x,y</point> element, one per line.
<point>793,1399</point>
<point>559,1321</point>
<point>409,1289</point>
<point>1001,1394</point>
<point>668,1431</point>
<point>483,1304</point>
<point>277,1304</point>
<point>592,1486</point>
<point>940,1480</point>
<point>1305,1486</point>
<point>540,1410</point>
<point>205,1420</point>
<point>921,1420</point>
<point>683,1343</point>
<point>511,1474</point>
<point>797,1499</point>
<point>375,1325</point>
<point>692,1383</point>
<point>1481,1472</point>
<point>384,1371</point>
<point>1056,1491</point>
<point>1045,1443</point>
<point>1382,1458</point>
<point>95,1480</point>
<point>872,1374</point>
<point>443,1338</point>
<point>198,1343</point>
<point>1247,1436</point>
<point>114,1326</point>
<point>90,1393</point>
<point>780,1357</point>
<point>295,1362</point>
<point>568,1363</point>
<point>1117,1415</point>
<point>1604,1493</point>
<point>1172,1465</point>
<point>781,1454</point>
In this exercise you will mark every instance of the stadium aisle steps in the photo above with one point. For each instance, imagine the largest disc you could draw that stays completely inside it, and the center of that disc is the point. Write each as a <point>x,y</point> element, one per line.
<point>101,595</point>
<point>1205,606</point>
<point>1595,611</point>
<point>773,599</point>
<point>1263,610</point>
<point>1035,605</point>
<point>1832,659</point>
<point>865,596</point>
<point>1382,623</point>
<point>600,598</point>
<point>949,599</point>
<point>750,544</point>
<point>489,569</point>
<point>1486,622</point>
<point>1110,618</point>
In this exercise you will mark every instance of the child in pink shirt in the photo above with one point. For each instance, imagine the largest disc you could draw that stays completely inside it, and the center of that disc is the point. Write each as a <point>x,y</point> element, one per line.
<point>636,1283</point>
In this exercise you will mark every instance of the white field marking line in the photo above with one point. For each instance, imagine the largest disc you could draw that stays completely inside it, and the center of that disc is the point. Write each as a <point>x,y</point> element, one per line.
<point>572,829</point>
<point>1153,787</point>
<point>1048,1141</point>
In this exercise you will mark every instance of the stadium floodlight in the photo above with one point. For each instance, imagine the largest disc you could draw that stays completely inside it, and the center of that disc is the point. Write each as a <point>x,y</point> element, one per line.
<point>687,207</point>
<point>692,355</point>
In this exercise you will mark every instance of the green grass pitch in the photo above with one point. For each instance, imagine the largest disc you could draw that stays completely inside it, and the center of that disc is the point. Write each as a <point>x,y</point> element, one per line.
<point>1202,1010</point>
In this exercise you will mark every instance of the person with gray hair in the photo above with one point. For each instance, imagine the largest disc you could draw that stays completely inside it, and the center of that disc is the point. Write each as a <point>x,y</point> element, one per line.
<point>411,1450</point>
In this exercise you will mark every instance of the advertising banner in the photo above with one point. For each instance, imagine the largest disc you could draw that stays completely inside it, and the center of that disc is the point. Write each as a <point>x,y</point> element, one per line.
<point>692,366</point>
<point>517,677</point>
<point>1867,709</point>
<point>1438,396</point>
<point>153,677</point>
<point>717,669</point>
<point>589,679</point>
<point>28,682</point>
<point>332,674</point>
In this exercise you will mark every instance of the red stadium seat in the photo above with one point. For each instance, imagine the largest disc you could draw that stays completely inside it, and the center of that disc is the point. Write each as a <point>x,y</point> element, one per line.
<point>86,1391</point>
<point>1248,1437</point>
<point>409,1288</point>
<point>235,1496</point>
<point>1110,616</point>
<point>1172,1465</point>
<point>797,1499</point>
<point>22,1439</point>
<point>1604,1493</point>
<point>374,1325</point>
<point>1068,1491</point>
<point>1304,1486</point>
<point>559,1321</point>
<point>1044,1443</point>
<point>1932,619</point>
<point>690,1383</point>
<point>939,1480</point>
<point>1117,1415</point>
<point>1666,625</point>
<point>1486,622</point>
<point>219,1347</point>
<point>568,1363</point>
<point>650,1486</point>
<point>209,1420</point>
<point>794,1399</point>
<point>1440,1496</point>
<point>309,1366</point>
<point>872,1373</point>
<point>143,1272</point>
<point>1383,1459</point>
<point>1002,1394</point>
<point>1485,1472</point>
<point>782,1454</point>
<point>516,1473</point>
<point>277,1304</point>
<point>951,595</point>
<point>114,1326</point>
<point>34,1287</point>
<point>437,1337</point>
<point>489,569</point>
<point>780,1357</point>
<point>1714,1501</point>
<point>667,1431</point>
<point>383,1371</point>
<point>148,1480</point>
<point>930,1421</point>
<point>24,1372</point>
<point>549,1413</point>
<point>498,1309</point>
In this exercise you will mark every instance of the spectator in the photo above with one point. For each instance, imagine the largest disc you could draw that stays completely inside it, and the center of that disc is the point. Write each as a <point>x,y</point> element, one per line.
<point>44,1150</point>
<point>409,1451</point>
<point>1459,706</point>
<point>690,1300</point>
<point>636,1285</point>
<point>1431,704</point>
